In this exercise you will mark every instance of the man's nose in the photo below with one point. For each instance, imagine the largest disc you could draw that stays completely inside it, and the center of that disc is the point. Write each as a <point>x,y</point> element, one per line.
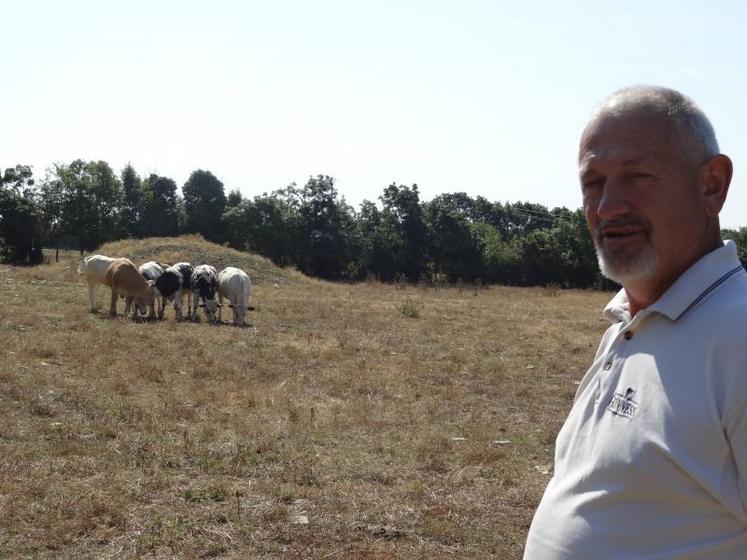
<point>614,201</point>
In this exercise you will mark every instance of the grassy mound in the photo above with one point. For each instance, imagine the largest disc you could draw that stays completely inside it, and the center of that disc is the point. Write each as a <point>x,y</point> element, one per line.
<point>194,249</point>
<point>189,248</point>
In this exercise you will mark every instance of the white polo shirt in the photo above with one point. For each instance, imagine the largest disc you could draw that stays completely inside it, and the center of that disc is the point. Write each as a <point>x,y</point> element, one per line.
<point>652,460</point>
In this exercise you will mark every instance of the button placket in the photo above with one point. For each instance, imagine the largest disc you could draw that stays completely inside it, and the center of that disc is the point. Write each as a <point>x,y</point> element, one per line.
<point>603,375</point>
<point>609,374</point>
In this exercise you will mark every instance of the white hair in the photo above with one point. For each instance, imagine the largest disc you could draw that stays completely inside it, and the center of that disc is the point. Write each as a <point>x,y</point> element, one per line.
<point>698,137</point>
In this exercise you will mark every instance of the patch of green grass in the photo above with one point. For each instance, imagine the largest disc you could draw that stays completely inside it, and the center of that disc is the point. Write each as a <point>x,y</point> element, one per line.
<point>409,308</point>
<point>205,495</point>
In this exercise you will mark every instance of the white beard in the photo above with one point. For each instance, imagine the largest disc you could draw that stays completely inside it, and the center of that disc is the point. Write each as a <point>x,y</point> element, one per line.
<point>627,268</point>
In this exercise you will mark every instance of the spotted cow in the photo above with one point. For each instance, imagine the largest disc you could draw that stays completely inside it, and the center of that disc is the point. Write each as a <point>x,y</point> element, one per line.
<point>205,288</point>
<point>175,284</point>
<point>151,270</point>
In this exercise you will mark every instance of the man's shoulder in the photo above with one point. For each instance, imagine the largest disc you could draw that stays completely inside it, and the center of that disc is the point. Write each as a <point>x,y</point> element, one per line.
<point>721,317</point>
<point>729,301</point>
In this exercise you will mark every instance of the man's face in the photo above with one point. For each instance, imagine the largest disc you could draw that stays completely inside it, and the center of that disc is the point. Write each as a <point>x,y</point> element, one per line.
<point>641,199</point>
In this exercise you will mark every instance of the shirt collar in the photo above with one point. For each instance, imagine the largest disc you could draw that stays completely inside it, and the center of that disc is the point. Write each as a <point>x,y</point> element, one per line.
<point>709,272</point>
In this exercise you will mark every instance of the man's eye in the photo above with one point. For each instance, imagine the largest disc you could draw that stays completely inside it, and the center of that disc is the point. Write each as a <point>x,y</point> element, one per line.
<point>592,184</point>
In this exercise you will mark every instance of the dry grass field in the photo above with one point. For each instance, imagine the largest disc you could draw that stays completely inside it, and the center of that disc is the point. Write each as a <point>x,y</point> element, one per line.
<point>346,421</point>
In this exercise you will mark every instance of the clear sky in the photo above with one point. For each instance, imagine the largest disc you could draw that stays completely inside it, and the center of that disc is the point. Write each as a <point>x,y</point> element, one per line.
<point>485,97</point>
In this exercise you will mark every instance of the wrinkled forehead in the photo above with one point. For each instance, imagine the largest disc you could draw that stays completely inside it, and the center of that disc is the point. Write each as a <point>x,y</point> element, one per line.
<point>634,136</point>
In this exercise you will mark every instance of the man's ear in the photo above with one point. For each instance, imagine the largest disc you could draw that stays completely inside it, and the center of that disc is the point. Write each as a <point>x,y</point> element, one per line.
<point>715,175</point>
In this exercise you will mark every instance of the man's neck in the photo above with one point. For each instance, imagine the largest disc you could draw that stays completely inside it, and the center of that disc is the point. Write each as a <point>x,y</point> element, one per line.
<point>644,293</point>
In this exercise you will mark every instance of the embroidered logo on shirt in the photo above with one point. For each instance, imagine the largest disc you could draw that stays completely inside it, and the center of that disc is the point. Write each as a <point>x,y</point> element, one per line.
<point>623,404</point>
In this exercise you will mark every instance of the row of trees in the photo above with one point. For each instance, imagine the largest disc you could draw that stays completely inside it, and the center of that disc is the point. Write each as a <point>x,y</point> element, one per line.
<point>451,237</point>
<point>85,204</point>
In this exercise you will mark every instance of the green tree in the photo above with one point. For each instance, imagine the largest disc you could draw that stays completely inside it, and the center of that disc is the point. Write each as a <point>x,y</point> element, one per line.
<point>51,207</point>
<point>234,198</point>
<point>266,225</point>
<point>236,225</point>
<point>739,236</point>
<point>83,200</point>
<point>204,202</point>
<point>501,260</point>
<point>403,211</point>
<point>494,214</point>
<point>19,179</point>
<point>324,228</point>
<point>379,243</point>
<point>563,254</point>
<point>160,207</point>
<point>132,202</point>
<point>20,217</point>
<point>454,247</point>
<point>522,218</point>
<point>106,191</point>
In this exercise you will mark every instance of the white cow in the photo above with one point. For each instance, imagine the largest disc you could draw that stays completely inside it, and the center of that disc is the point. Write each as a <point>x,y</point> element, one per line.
<point>234,285</point>
<point>94,267</point>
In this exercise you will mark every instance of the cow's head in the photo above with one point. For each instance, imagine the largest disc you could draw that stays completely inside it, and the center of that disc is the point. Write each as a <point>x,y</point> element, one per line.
<point>144,303</point>
<point>211,309</point>
<point>239,313</point>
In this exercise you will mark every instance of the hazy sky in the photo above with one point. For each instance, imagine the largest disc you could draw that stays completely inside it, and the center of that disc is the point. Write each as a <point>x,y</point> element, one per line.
<point>486,97</point>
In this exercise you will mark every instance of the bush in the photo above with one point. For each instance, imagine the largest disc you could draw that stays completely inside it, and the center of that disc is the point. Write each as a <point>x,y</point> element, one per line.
<point>409,308</point>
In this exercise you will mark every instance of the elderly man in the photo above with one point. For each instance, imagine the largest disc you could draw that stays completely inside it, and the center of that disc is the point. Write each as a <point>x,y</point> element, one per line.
<point>652,460</point>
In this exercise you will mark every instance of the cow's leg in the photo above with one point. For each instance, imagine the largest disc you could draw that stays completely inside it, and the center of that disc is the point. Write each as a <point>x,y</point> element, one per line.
<point>128,305</point>
<point>113,306</point>
<point>238,317</point>
<point>178,305</point>
<point>193,307</point>
<point>220,308</point>
<point>92,295</point>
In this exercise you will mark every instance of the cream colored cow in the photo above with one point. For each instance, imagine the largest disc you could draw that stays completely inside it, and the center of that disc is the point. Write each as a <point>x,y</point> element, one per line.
<point>94,267</point>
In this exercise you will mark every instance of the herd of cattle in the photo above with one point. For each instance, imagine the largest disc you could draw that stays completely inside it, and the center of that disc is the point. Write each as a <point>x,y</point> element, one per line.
<point>153,285</point>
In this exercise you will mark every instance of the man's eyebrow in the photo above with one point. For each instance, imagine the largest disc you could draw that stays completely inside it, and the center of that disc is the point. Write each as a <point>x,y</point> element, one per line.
<point>634,161</point>
<point>586,175</point>
<point>587,167</point>
<point>585,171</point>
